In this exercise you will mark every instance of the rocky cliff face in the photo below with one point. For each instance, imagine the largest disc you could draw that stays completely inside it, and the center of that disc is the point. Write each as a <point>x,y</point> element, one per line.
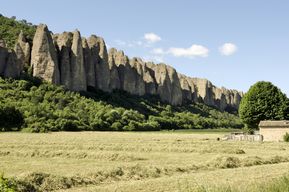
<point>75,62</point>
<point>9,63</point>
<point>22,50</point>
<point>44,61</point>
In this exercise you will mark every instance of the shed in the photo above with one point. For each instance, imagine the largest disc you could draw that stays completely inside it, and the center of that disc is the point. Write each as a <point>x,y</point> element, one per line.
<point>273,130</point>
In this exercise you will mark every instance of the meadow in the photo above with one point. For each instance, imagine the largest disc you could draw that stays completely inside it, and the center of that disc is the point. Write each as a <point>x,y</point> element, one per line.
<point>141,161</point>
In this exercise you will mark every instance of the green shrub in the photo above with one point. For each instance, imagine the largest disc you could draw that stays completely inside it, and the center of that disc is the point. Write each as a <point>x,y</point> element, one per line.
<point>286,137</point>
<point>5,185</point>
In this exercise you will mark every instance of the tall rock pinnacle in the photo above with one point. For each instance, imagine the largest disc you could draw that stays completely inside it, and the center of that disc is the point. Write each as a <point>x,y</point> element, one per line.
<point>43,57</point>
<point>77,69</point>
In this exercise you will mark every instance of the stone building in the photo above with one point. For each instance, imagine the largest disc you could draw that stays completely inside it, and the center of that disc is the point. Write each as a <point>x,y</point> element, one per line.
<point>274,130</point>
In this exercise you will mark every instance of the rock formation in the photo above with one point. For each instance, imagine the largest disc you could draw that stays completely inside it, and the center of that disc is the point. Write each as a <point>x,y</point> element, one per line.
<point>99,59</point>
<point>9,63</point>
<point>163,80</point>
<point>76,62</point>
<point>22,50</point>
<point>186,89</point>
<point>114,77</point>
<point>137,66</point>
<point>77,69</point>
<point>63,45</point>
<point>43,57</point>
<point>176,90</point>
<point>149,79</point>
<point>125,72</point>
<point>89,63</point>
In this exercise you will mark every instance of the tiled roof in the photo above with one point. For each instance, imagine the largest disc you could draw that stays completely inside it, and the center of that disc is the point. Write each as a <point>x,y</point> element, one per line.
<point>282,123</point>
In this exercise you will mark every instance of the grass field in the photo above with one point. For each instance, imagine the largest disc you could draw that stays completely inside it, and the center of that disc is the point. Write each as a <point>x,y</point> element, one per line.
<point>155,161</point>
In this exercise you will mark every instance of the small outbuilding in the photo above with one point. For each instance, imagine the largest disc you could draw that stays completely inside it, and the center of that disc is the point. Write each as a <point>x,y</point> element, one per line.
<point>273,130</point>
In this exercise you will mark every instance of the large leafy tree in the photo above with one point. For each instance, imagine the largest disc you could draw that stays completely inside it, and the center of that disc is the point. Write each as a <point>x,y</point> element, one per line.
<point>263,101</point>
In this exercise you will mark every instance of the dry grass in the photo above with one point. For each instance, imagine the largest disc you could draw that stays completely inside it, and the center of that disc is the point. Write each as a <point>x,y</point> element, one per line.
<point>113,161</point>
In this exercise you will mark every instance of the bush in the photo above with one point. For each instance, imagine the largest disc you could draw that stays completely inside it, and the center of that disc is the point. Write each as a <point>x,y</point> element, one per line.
<point>117,126</point>
<point>286,137</point>
<point>5,185</point>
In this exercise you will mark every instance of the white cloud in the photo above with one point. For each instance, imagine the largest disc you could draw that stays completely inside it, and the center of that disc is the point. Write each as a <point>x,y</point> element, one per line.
<point>158,51</point>
<point>120,42</point>
<point>228,49</point>
<point>194,50</point>
<point>152,38</point>
<point>130,45</point>
<point>107,46</point>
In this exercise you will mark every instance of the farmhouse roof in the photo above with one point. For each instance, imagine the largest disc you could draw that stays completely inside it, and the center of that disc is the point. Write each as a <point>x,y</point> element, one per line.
<point>283,123</point>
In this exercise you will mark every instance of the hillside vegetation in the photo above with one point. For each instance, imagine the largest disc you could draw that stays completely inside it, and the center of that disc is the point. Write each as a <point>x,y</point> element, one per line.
<point>32,105</point>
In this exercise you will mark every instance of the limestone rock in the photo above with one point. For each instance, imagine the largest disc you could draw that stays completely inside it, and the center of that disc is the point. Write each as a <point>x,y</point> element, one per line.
<point>149,79</point>
<point>204,89</point>
<point>43,57</point>
<point>114,78</point>
<point>137,66</point>
<point>125,72</point>
<point>12,68</point>
<point>163,80</point>
<point>220,97</point>
<point>186,88</point>
<point>78,76</point>
<point>99,58</point>
<point>194,91</point>
<point>63,45</point>
<point>4,55</point>
<point>22,50</point>
<point>89,64</point>
<point>9,64</point>
<point>236,98</point>
<point>20,56</point>
<point>176,91</point>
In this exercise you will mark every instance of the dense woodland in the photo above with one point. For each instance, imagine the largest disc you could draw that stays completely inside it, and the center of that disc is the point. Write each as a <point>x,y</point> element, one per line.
<point>32,105</point>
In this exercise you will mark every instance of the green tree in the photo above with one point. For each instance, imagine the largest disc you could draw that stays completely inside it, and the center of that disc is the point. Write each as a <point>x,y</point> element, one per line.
<point>263,101</point>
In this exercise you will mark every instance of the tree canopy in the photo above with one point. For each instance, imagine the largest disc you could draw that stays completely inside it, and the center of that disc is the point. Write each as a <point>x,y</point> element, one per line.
<point>263,101</point>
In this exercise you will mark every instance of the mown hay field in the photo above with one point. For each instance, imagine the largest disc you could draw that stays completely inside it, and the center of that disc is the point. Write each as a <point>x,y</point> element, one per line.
<point>130,161</point>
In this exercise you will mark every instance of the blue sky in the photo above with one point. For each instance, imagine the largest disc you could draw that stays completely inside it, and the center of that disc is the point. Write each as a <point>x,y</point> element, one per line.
<point>232,43</point>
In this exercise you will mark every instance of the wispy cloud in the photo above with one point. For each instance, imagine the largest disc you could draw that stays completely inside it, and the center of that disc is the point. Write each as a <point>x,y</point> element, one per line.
<point>215,73</point>
<point>228,49</point>
<point>194,50</point>
<point>158,51</point>
<point>120,42</point>
<point>107,46</point>
<point>147,58</point>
